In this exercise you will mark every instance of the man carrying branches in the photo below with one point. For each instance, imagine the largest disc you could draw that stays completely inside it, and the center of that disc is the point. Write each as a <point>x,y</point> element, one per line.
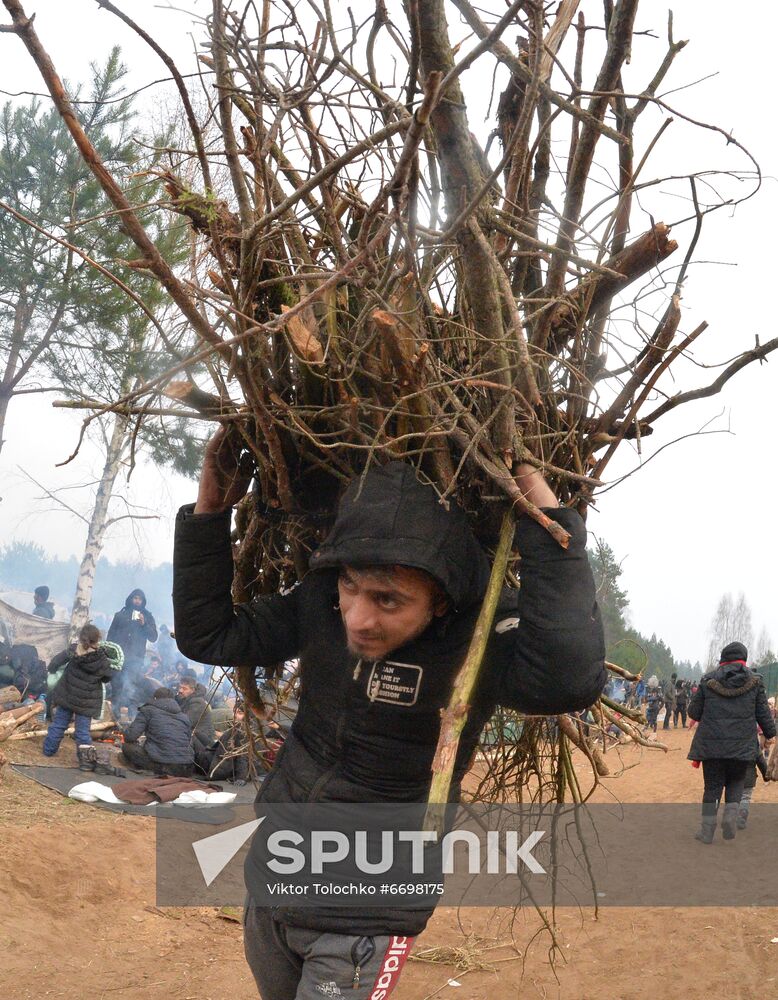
<point>381,625</point>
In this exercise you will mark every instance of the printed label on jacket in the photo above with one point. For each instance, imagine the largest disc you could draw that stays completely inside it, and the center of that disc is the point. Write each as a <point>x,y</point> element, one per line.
<point>394,683</point>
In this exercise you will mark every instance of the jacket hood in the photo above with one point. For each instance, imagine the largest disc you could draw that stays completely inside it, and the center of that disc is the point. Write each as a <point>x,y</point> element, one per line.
<point>390,518</point>
<point>169,705</point>
<point>94,660</point>
<point>733,675</point>
<point>135,593</point>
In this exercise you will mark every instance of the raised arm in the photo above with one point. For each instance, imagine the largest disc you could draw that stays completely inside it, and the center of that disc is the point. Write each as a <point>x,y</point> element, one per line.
<point>59,661</point>
<point>551,660</point>
<point>208,627</point>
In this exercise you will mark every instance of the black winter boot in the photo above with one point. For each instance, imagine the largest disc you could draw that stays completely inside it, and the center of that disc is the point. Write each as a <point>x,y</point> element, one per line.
<point>103,763</point>
<point>729,820</point>
<point>86,757</point>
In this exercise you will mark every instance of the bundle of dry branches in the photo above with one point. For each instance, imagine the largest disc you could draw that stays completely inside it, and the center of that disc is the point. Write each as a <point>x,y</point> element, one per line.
<point>369,284</point>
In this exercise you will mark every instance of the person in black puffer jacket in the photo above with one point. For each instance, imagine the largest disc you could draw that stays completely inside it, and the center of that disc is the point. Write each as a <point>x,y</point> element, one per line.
<point>79,691</point>
<point>168,745</point>
<point>381,624</point>
<point>728,704</point>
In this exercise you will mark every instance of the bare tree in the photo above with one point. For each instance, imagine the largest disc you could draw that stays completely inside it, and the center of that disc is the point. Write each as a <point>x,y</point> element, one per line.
<point>763,650</point>
<point>732,622</point>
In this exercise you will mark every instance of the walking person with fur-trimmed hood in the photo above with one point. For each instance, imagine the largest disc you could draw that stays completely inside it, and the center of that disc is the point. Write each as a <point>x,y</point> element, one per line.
<point>728,705</point>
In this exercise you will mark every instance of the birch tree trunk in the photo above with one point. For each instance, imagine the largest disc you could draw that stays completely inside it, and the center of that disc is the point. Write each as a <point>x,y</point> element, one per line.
<point>98,523</point>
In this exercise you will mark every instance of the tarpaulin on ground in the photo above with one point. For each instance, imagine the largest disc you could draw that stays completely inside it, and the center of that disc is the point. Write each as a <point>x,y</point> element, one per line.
<point>48,637</point>
<point>62,779</point>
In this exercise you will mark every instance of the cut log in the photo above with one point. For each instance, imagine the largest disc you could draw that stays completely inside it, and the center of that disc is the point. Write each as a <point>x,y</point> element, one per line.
<point>14,713</point>
<point>96,727</point>
<point>647,251</point>
<point>6,728</point>
<point>9,694</point>
<point>204,402</point>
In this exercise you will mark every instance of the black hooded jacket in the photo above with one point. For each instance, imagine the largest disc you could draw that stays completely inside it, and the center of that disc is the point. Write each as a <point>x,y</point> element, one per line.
<point>167,729</point>
<point>196,708</point>
<point>728,704</point>
<point>367,731</point>
<point>80,688</point>
<point>130,634</point>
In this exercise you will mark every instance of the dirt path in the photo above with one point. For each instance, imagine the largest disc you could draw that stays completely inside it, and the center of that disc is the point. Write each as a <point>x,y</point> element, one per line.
<point>77,894</point>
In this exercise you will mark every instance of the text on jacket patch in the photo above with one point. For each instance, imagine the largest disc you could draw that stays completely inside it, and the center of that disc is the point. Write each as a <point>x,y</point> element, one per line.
<point>394,683</point>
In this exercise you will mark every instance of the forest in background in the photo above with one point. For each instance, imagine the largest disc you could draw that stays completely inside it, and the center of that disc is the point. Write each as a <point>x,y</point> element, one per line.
<point>25,565</point>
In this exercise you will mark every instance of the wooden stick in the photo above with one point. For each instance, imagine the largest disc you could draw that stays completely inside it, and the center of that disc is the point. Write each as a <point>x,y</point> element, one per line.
<point>454,717</point>
<point>631,713</point>
<point>630,730</point>
<point>594,754</point>
<point>616,669</point>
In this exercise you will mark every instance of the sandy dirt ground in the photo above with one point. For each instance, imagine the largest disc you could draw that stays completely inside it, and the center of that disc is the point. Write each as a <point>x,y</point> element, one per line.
<point>79,920</point>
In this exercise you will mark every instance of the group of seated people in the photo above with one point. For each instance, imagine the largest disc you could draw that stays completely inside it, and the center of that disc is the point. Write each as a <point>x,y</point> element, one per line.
<point>178,729</point>
<point>21,667</point>
<point>182,735</point>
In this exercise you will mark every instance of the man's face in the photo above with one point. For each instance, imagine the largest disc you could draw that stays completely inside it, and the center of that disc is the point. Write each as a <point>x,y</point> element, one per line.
<point>137,601</point>
<point>185,689</point>
<point>382,609</point>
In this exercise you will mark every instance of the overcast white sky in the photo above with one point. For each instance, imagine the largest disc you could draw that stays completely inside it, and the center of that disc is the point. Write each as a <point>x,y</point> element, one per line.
<point>692,524</point>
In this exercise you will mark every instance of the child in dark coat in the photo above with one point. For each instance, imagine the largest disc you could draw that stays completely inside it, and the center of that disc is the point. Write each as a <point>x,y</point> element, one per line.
<point>79,691</point>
